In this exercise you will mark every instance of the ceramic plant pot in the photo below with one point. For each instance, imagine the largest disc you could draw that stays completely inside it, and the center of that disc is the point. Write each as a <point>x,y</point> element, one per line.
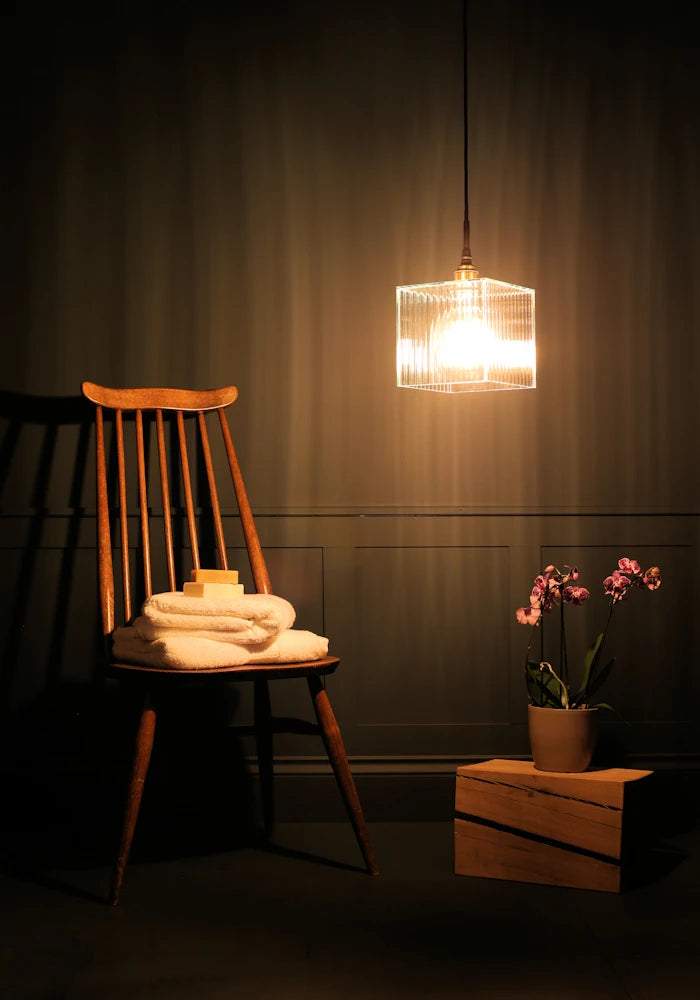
<point>562,739</point>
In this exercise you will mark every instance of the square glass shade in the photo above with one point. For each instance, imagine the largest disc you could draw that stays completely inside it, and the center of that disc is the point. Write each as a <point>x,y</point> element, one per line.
<point>465,335</point>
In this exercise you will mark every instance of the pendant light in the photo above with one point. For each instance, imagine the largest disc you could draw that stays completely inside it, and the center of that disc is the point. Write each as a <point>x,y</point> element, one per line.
<point>469,334</point>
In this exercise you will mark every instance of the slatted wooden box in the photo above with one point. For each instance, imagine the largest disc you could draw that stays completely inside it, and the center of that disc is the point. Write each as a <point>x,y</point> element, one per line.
<point>514,822</point>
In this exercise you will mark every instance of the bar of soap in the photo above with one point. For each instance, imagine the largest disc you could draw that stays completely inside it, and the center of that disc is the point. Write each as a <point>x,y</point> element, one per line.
<point>214,576</point>
<point>227,591</point>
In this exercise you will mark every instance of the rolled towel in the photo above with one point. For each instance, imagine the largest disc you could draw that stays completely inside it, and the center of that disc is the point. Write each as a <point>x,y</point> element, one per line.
<point>251,618</point>
<point>186,652</point>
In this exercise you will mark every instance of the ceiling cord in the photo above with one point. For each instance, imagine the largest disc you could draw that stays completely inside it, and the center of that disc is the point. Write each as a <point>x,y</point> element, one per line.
<point>466,261</point>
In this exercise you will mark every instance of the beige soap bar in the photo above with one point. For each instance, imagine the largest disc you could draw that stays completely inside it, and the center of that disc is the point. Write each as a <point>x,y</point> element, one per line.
<point>214,576</point>
<point>227,591</point>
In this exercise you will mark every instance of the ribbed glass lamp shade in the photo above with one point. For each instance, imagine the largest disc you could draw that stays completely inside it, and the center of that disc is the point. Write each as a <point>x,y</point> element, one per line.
<point>465,335</point>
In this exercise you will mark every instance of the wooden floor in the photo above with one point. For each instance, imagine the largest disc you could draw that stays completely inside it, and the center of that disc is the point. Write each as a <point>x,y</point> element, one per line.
<point>299,919</point>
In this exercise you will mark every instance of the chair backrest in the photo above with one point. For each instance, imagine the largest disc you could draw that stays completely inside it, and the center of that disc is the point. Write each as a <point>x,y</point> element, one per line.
<point>181,421</point>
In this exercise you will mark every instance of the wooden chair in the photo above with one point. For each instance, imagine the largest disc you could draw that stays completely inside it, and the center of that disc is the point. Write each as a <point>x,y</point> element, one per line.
<point>178,410</point>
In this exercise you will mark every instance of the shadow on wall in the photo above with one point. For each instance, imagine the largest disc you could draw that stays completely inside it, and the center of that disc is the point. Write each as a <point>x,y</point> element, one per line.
<point>42,487</point>
<point>67,729</point>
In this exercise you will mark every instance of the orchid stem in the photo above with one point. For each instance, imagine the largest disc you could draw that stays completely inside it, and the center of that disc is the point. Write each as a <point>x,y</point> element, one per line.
<point>563,665</point>
<point>529,647</point>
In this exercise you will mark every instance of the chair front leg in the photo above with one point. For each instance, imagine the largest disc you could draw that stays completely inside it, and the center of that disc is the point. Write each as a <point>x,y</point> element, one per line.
<point>335,749</point>
<point>143,747</point>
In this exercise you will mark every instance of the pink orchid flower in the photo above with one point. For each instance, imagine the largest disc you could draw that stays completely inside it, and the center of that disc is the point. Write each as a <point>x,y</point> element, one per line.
<point>546,589</point>
<point>629,566</point>
<point>575,595</point>
<point>528,616</point>
<point>652,578</point>
<point>616,585</point>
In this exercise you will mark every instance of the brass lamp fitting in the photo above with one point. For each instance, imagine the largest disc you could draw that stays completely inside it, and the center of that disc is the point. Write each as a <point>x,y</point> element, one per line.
<point>466,272</point>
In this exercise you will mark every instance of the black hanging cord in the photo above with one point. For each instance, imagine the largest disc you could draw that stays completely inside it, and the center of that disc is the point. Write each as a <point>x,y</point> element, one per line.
<point>466,261</point>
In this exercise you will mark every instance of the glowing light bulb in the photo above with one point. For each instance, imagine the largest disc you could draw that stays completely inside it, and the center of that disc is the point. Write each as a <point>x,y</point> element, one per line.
<point>465,336</point>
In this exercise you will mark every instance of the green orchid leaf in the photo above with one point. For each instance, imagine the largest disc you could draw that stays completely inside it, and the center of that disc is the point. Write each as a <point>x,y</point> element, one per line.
<point>604,704</point>
<point>544,698</point>
<point>618,714</point>
<point>601,677</point>
<point>588,661</point>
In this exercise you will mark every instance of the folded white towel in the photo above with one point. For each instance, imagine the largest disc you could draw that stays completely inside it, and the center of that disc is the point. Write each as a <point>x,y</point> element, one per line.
<point>242,635</point>
<point>237,630</point>
<point>187,652</point>
<point>251,618</point>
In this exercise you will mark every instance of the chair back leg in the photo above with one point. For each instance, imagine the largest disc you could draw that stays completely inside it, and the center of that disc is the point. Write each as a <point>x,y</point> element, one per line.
<point>264,747</point>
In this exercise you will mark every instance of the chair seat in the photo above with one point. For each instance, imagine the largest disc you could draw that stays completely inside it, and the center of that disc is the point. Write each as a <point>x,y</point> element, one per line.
<point>244,672</point>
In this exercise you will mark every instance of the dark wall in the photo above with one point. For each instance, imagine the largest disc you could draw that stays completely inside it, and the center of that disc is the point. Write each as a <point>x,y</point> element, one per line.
<point>197,195</point>
<point>200,196</point>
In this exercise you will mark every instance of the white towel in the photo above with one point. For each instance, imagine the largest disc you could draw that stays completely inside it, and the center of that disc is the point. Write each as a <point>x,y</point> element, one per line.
<point>187,652</point>
<point>252,618</point>
<point>243,635</point>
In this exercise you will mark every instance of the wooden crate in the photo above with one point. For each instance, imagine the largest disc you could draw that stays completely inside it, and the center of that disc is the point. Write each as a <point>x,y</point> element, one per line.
<point>514,822</point>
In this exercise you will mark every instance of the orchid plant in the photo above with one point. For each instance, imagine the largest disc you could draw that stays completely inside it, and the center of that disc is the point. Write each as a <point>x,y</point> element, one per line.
<point>550,688</point>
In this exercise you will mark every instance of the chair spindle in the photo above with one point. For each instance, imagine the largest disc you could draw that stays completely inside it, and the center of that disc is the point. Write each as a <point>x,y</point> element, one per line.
<point>105,566</point>
<point>143,504</point>
<point>165,497</point>
<point>123,515</point>
<point>187,483</point>
<point>214,496</point>
<point>258,567</point>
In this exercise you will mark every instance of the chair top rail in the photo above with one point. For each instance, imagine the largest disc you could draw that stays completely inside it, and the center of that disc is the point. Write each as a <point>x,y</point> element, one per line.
<point>189,400</point>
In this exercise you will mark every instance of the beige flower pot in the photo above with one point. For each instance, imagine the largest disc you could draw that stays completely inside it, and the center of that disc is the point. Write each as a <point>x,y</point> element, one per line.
<point>562,739</point>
